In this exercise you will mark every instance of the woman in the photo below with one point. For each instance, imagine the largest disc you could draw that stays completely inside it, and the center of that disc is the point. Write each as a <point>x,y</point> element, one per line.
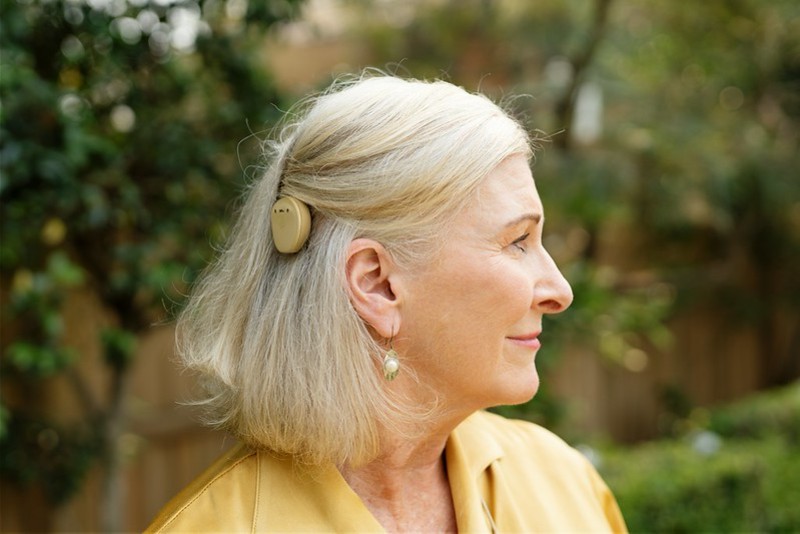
<point>385,282</point>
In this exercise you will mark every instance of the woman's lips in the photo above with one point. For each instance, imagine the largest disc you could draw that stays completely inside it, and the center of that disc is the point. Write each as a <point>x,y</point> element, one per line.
<point>530,341</point>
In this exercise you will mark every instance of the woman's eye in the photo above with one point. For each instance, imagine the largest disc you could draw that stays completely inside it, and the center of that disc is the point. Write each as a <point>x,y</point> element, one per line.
<point>520,242</point>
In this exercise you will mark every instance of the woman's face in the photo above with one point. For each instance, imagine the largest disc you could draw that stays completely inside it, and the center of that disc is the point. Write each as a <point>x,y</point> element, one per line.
<point>471,320</point>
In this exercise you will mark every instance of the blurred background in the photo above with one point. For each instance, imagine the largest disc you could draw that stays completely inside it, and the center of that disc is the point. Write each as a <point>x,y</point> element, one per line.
<point>670,176</point>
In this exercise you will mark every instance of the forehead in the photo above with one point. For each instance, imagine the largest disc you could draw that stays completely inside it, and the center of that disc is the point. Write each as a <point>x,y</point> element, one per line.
<point>506,193</point>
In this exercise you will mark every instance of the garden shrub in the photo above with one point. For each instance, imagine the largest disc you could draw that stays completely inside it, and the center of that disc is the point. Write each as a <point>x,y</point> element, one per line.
<point>742,474</point>
<point>765,414</point>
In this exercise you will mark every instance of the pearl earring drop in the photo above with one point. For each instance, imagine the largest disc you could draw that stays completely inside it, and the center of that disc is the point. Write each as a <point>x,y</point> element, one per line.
<point>391,365</point>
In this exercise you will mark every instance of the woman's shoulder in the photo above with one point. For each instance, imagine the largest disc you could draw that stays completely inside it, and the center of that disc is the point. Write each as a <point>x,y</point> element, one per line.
<point>535,463</point>
<point>219,499</point>
<point>522,439</point>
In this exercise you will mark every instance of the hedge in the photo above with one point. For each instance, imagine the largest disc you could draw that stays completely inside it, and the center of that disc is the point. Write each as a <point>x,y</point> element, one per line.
<point>739,474</point>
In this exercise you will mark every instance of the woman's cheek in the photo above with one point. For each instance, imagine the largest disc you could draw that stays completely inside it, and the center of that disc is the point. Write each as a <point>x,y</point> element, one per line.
<point>519,290</point>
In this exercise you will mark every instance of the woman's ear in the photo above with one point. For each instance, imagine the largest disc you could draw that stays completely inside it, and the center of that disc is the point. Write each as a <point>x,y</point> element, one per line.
<point>373,284</point>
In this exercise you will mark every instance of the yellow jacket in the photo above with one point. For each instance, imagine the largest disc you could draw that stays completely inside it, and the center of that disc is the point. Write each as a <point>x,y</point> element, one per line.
<point>511,474</point>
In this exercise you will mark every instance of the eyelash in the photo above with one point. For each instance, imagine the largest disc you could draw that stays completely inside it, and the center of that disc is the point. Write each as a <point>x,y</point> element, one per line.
<point>520,239</point>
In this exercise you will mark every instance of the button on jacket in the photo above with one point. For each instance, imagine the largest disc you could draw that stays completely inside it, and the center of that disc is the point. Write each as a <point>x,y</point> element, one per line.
<point>505,476</point>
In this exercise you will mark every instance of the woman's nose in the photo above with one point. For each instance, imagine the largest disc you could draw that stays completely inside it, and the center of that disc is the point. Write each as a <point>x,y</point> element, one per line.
<point>552,293</point>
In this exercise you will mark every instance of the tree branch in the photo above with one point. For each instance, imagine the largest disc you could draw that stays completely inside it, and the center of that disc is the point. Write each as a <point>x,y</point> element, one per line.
<point>565,108</point>
<point>82,391</point>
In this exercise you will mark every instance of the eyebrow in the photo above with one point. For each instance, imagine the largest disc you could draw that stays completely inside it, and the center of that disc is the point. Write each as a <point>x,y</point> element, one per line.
<point>535,217</point>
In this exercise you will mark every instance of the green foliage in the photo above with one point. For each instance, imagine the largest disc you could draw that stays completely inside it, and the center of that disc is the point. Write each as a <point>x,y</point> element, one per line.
<point>43,452</point>
<point>127,144</point>
<point>5,416</point>
<point>768,414</point>
<point>118,155</point>
<point>118,347</point>
<point>35,299</point>
<point>718,174</point>
<point>672,488</point>
<point>613,314</point>
<point>38,360</point>
<point>737,480</point>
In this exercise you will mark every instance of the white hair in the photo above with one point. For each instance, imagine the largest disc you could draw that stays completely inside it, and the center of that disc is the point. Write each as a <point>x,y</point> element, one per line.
<point>286,361</point>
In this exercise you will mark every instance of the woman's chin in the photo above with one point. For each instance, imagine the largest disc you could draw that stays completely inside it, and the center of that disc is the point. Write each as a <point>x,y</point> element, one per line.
<point>524,389</point>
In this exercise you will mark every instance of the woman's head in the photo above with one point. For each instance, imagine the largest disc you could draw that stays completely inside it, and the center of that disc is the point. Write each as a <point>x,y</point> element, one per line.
<point>288,360</point>
<point>396,158</point>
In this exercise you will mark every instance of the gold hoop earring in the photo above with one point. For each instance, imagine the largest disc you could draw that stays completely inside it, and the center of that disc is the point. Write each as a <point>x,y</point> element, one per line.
<point>391,362</point>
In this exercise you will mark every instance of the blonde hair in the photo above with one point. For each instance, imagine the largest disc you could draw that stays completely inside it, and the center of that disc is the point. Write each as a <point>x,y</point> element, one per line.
<point>286,361</point>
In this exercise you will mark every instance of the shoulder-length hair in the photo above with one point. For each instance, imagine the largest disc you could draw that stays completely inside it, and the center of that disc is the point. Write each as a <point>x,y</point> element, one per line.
<point>285,360</point>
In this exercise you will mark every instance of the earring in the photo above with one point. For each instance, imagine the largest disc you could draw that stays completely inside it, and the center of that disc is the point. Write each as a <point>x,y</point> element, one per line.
<point>391,363</point>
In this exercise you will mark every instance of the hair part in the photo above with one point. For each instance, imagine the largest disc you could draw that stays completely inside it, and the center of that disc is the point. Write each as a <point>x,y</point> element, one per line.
<point>285,360</point>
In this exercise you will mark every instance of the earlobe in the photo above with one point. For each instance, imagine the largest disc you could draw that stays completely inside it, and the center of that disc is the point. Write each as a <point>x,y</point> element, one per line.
<point>372,284</point>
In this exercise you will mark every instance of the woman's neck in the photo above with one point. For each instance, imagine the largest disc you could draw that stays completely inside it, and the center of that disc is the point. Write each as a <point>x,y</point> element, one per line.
<point>406,487</point>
